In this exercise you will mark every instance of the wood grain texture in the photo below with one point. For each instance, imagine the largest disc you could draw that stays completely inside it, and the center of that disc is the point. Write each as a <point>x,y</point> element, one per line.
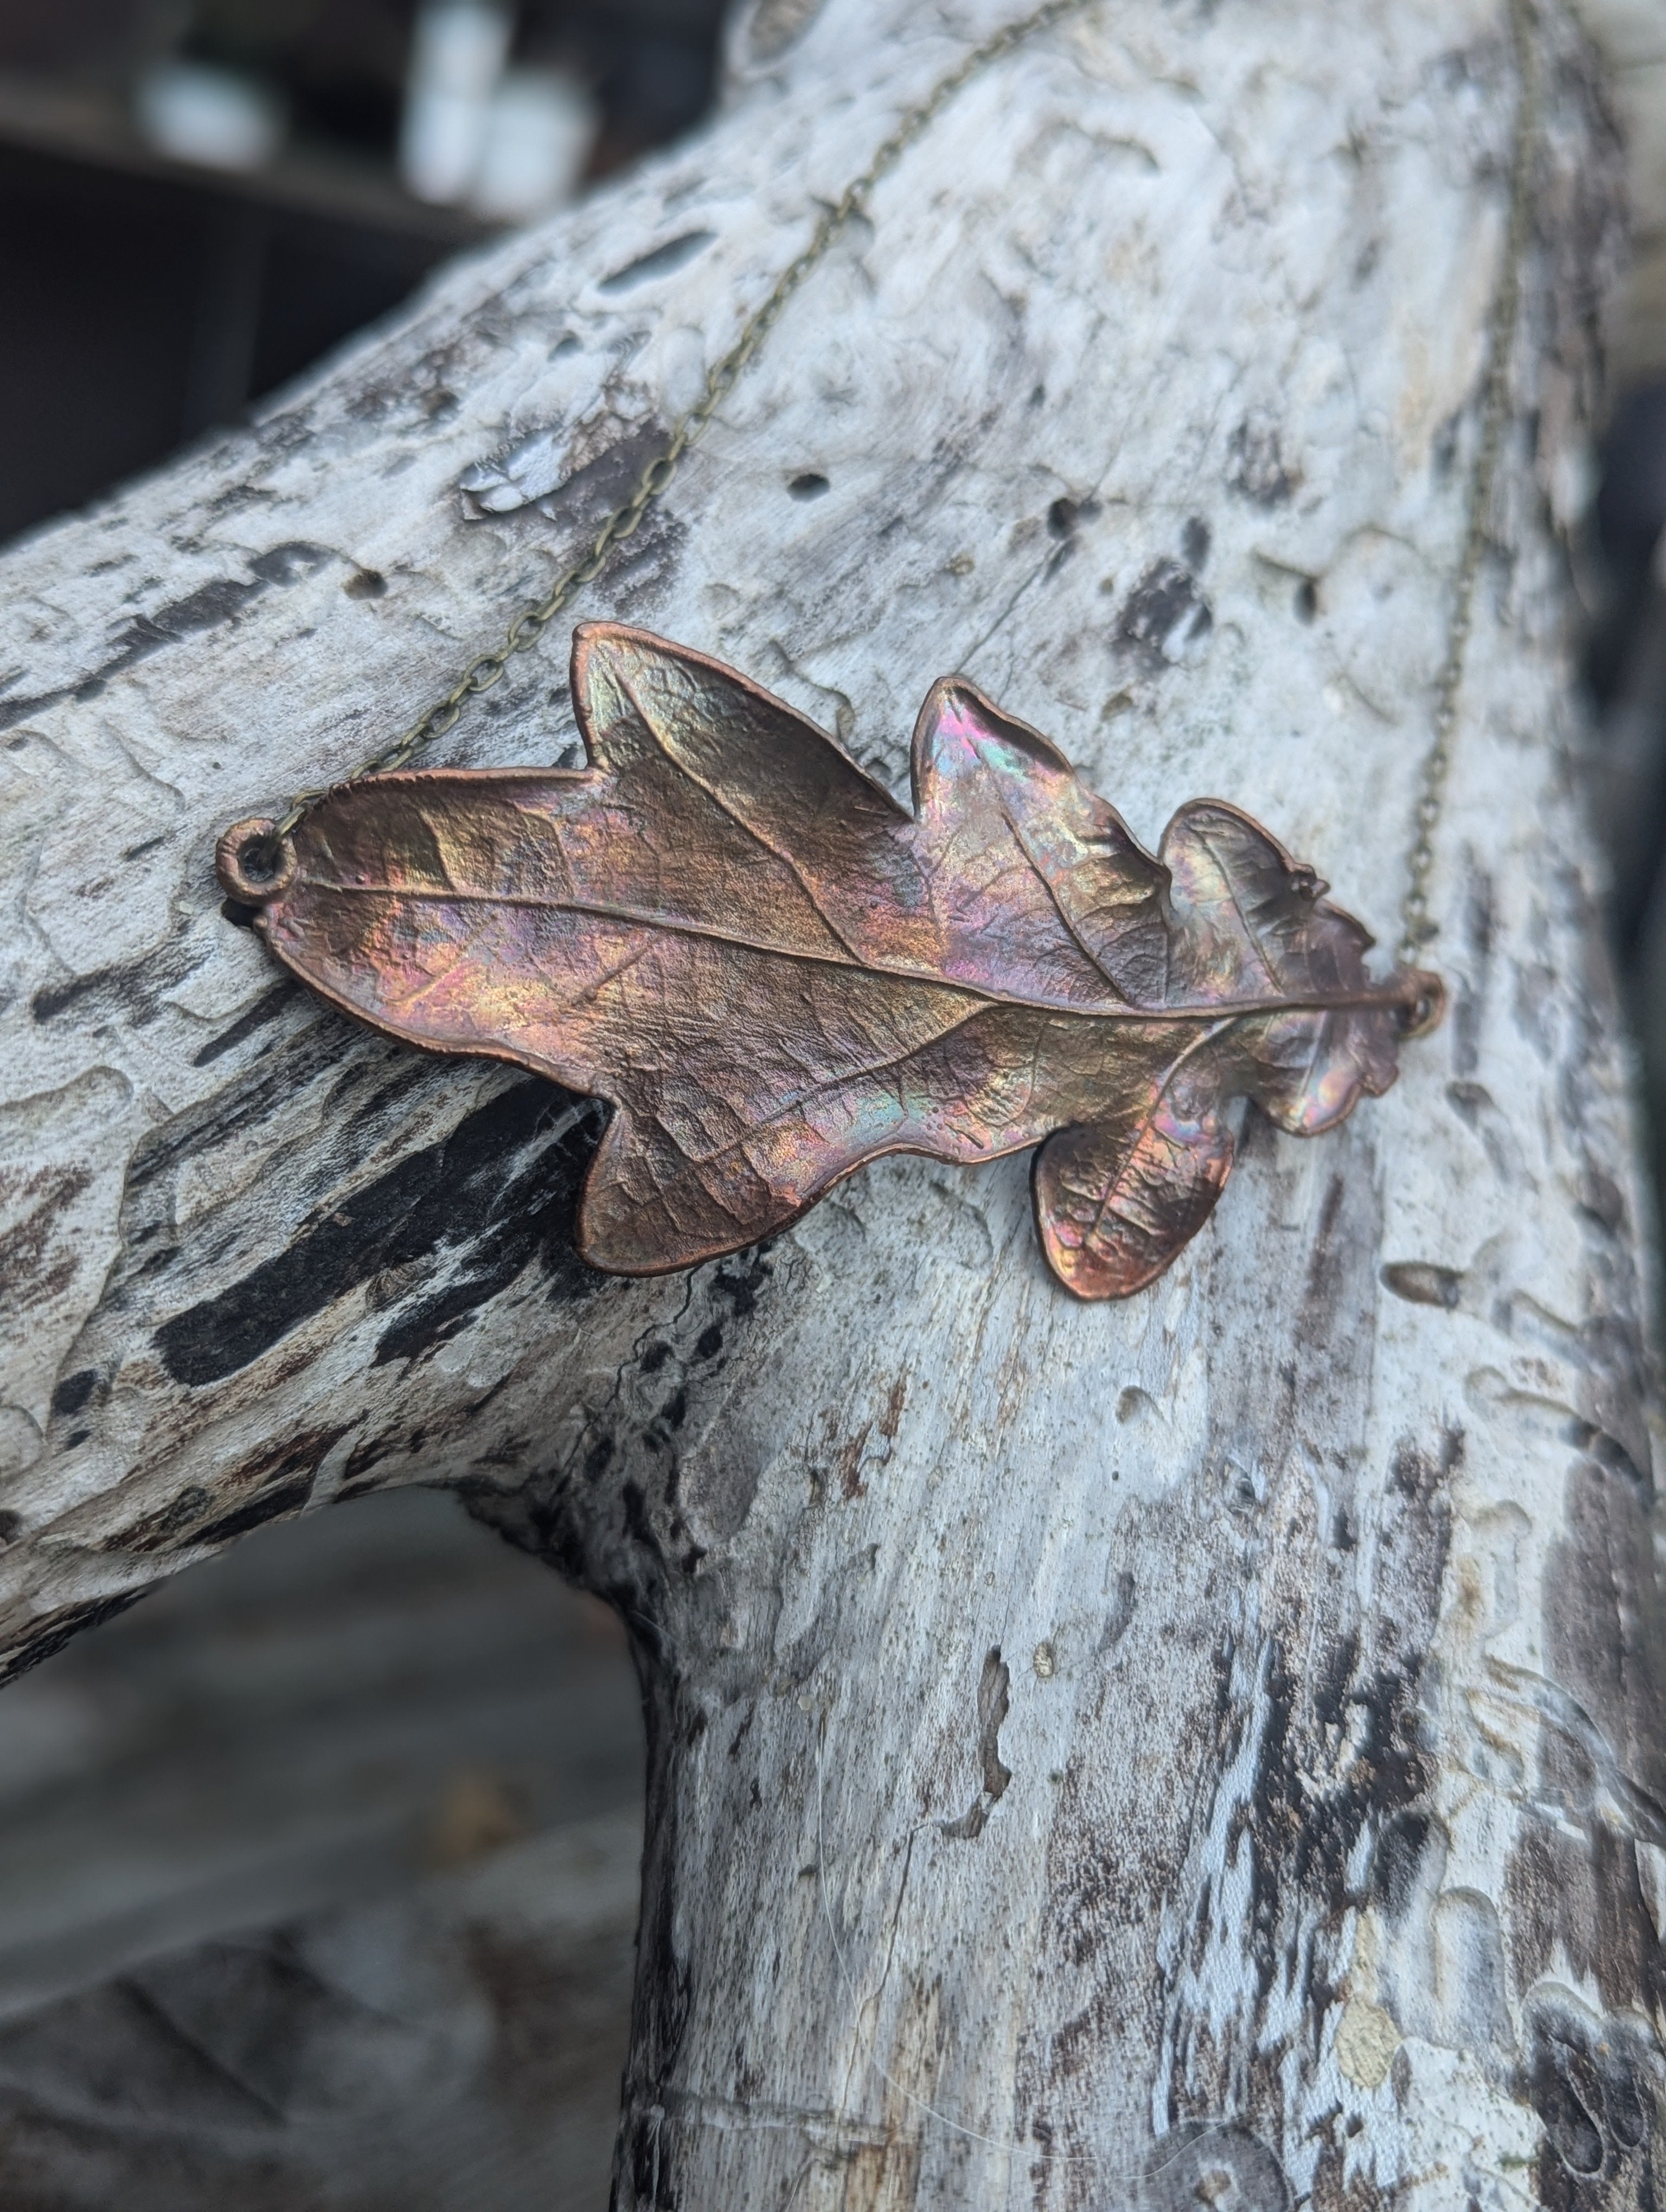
<point>1097,1756</point>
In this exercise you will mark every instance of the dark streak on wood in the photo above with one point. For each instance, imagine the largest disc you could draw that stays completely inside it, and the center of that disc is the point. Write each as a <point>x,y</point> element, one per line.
<point>204,609</point>
<point>460,1192</point>
<point>57,1630</point>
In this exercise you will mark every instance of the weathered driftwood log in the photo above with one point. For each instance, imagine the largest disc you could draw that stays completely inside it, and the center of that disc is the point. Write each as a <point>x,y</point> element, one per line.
<point>1099,1755</point>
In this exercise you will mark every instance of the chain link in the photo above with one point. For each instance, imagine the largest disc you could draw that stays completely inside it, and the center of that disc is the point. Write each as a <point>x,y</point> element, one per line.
<point>1417,926</point>
<point>529,625</point>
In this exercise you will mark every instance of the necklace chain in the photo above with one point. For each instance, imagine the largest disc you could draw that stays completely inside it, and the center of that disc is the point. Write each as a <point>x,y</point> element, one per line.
<point>529,625</point>
<point>1417,925</point>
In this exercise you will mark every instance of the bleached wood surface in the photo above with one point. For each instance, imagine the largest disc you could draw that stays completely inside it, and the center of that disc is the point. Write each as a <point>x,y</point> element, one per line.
<point>1098,1756</point>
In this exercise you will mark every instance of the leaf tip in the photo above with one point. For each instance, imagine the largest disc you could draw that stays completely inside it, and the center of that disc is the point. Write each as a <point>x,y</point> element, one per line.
<point>955,712</point>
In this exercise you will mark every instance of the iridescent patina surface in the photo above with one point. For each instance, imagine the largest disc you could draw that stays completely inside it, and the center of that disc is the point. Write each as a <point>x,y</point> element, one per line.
<point>774,971</point>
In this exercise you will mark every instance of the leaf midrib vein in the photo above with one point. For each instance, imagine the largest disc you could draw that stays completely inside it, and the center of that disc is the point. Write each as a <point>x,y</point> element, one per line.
<point>1122,1010</point>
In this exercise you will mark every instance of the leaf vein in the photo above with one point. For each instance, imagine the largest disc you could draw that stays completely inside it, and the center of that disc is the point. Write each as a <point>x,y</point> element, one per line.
<point>1123,1009</point>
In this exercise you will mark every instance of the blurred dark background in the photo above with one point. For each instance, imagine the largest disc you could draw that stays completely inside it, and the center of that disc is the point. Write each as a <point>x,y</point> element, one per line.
<point>318,1884</point>
<point>198,197</point>
<point>1625,587</point>
<point>318,1871</point>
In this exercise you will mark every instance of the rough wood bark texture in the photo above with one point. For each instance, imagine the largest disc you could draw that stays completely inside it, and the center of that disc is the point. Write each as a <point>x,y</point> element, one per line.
<point>1205,1749</point>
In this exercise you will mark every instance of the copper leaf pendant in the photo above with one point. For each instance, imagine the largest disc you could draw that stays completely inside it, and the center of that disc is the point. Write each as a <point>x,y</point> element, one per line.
<point>774,971</point>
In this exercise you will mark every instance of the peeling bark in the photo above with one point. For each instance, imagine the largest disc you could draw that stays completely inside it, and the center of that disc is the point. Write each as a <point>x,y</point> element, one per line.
<point>1209,1747</point>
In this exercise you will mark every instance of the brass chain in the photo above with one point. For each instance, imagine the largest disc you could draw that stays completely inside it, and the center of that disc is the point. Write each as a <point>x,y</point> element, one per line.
<point>1417,925</point>
<point>529,625</point>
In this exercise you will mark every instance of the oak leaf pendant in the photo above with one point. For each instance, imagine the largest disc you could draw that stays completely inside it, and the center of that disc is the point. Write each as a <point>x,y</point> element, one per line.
<point>774,972</point>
